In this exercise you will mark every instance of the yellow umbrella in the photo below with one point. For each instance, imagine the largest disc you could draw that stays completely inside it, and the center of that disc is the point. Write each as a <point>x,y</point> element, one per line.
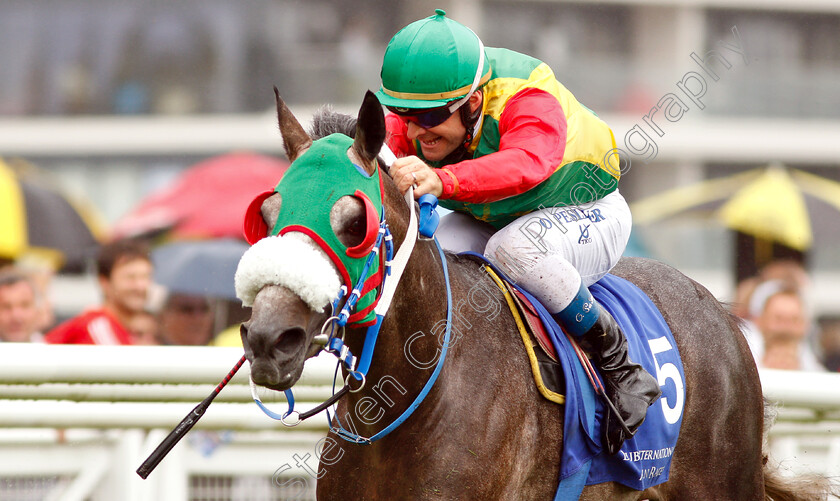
<point>687,198</point>
<point>39,222</point>
<point>768,203</point>
<point>13,222</point>
<point>771,207</point>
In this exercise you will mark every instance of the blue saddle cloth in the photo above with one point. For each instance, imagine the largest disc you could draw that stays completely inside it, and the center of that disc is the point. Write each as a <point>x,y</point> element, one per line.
<point>644,460</point>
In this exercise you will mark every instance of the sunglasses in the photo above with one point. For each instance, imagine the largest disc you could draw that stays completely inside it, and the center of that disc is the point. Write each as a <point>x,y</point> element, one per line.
<point>427,118</point>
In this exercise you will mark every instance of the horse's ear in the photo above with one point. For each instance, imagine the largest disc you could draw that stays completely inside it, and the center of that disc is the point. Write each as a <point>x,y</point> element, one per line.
<point>370,130</point>
<point>295,138</point>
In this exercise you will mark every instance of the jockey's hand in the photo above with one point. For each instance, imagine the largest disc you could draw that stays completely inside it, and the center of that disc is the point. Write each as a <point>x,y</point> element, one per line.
<point>411,170</point>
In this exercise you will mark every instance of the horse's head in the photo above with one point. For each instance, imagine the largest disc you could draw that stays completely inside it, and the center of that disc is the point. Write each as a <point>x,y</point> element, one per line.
<point>311,235</point>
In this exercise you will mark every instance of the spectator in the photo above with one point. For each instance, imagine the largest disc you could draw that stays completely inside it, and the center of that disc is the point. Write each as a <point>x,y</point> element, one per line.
<point>20,313</point>
<point>144,328</point>
<point>787,270</point>
<point>740,305</point>
<point>747,305</point>
<point>829,342</point>
<point>230,337</point>
<point>780,316</point>
<point>186,320</point>
<point>125,273</point>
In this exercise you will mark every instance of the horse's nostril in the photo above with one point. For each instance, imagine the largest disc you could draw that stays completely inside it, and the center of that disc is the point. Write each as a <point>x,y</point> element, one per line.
<point>290,340</point>
<point>243,334</point>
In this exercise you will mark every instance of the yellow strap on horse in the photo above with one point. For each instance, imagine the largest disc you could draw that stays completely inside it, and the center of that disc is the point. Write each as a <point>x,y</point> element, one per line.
<point>526,340</point>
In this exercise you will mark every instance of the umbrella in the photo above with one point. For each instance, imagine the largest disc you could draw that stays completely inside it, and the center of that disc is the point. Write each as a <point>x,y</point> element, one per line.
<point>199,267</point>
<point>774,203</point>
<point>36,220</point>
<point>207,200</point>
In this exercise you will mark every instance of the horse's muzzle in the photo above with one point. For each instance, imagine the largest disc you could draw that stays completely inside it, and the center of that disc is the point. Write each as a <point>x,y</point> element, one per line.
<point>276,359</point>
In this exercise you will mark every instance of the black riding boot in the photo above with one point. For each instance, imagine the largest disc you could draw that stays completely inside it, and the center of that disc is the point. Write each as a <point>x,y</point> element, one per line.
<point>628,386</point>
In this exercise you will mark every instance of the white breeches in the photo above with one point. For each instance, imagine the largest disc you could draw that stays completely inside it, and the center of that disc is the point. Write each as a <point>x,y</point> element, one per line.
<point>550,251</point>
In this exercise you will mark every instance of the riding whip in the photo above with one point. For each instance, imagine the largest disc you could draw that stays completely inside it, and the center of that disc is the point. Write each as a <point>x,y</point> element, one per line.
<point>184,426</point>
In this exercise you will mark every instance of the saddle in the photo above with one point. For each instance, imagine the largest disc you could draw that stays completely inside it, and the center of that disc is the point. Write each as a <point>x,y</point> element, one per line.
<point>643,460</point>
<point>545,364</point>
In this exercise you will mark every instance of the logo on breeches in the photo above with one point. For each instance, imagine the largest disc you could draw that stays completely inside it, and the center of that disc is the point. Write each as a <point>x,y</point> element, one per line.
<point>584,234</point>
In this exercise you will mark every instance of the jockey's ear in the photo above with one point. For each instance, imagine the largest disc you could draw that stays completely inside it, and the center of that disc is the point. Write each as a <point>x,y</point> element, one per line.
<point>370,131</point>
<point>295,138</point>
<point>475,100</point>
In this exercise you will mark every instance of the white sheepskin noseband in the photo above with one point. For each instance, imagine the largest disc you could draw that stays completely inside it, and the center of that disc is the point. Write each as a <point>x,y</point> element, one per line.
<point>293,261</point>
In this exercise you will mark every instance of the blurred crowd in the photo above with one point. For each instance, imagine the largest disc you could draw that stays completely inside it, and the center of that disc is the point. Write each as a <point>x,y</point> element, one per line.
<point>778,322</point>
<point>129,314</point>
<point>774,308</point>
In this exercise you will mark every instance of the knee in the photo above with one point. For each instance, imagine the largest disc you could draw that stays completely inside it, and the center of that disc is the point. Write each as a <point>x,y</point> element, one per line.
<point>460,233</point>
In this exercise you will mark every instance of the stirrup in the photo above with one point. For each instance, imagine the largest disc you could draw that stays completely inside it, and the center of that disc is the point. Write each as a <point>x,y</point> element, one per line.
<point>612,410</point>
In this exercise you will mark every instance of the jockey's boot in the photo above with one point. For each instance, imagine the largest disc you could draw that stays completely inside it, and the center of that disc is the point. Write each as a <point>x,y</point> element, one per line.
<point>628,386</point>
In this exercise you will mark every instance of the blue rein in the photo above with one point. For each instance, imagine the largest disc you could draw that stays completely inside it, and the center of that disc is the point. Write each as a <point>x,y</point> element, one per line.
<point>428,224</point>
<point>353,437</point>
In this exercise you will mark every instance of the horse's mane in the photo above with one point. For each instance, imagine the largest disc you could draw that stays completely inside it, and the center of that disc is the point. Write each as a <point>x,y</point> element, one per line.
<point>327,121</point>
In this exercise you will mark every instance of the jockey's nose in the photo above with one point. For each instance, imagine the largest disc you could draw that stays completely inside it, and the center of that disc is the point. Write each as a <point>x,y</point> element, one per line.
<point>414,131</point>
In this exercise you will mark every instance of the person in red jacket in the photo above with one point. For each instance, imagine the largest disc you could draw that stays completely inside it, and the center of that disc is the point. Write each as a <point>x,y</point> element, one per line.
<point>124,271</point>
<point>531,175</point>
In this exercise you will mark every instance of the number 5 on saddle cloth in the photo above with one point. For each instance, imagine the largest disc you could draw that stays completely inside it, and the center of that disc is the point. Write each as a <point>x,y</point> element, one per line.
<point>645,459</point>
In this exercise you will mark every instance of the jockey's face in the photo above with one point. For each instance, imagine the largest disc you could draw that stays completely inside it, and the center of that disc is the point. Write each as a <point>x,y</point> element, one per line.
<point>439,141</point>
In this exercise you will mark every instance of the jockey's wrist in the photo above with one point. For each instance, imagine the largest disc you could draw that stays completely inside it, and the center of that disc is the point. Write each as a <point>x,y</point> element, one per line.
<point>449,182</point>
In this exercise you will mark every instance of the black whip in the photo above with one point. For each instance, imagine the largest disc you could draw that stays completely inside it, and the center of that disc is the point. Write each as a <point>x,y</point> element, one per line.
<point>184,426</point>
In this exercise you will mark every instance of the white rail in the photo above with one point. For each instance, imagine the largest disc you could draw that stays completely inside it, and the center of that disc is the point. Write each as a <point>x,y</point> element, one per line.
<point>819,391</point>
<point>76,421</point>
<point>79,412</point>
<point>79,386</point>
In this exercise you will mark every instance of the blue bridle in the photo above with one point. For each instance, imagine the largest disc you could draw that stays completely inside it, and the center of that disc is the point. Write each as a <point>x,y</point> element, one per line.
<point>335,345</point>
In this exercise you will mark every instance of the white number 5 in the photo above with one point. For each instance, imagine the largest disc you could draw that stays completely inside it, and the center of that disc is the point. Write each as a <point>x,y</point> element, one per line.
<point>665,372</point>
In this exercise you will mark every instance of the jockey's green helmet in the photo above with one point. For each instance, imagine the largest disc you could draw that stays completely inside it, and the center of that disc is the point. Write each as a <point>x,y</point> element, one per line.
<point>432,62</point>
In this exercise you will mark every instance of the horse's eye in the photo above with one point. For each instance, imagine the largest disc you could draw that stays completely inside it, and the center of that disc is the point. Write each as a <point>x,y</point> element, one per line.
<point>357,227</point>
<point>347,219</point>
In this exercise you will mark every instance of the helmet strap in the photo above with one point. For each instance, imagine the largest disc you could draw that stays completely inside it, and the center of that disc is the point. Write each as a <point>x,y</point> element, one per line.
<point>476,79</point>
<point>471,121</point>
<point>468,117</point>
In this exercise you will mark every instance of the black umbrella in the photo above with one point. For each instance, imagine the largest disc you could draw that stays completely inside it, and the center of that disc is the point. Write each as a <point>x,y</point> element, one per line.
<point>38,220</point>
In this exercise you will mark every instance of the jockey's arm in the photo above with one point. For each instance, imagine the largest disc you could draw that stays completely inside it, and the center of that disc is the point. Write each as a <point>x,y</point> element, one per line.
<point>532,130</point>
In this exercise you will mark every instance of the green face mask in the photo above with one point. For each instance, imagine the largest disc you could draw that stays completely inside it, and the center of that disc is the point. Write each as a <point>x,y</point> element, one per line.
<point>310,187</point>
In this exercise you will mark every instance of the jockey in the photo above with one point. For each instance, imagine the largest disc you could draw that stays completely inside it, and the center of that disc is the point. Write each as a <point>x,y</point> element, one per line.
<point>532,178</point>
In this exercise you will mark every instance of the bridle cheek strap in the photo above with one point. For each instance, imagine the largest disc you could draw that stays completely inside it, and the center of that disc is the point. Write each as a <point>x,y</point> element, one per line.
<point>400,261</point>
<point>389,287</point>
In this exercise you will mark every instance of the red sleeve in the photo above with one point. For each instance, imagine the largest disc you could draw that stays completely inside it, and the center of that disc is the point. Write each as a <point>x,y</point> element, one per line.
<point>91,327</point>
<point>397,136</point>
<point>532,130</point>
<point>69,332</point>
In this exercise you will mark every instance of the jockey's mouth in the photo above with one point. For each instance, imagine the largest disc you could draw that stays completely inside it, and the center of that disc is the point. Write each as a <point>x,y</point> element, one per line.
<point>430,143</point>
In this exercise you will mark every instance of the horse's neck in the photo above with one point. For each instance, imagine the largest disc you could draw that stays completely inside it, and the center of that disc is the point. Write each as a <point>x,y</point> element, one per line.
<point>418,306</point>
<point>411,340</point>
